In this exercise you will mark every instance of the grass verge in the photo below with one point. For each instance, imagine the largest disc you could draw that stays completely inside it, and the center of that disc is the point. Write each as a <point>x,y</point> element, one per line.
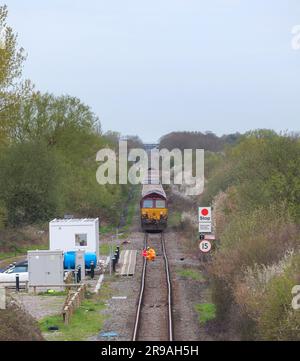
<point>20,251</point>
<point>53,293</point>
<point>104,249</point>
<point>206,312</point>
<point>174,219</point>
<point>87,320</point>
<point>190,273</point>
<point>107,229</point>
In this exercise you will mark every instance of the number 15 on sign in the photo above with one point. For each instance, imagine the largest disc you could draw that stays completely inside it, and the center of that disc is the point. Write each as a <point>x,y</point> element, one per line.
<point>205,246</point>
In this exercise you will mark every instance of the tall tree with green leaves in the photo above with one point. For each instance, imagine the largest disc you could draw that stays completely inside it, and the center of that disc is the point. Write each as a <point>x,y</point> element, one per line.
<point>50,118</point>
<point>12,88</point>
<point>31,182</point>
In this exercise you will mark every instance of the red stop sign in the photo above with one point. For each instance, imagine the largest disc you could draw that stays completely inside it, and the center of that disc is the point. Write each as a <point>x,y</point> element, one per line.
<point>204,212</point>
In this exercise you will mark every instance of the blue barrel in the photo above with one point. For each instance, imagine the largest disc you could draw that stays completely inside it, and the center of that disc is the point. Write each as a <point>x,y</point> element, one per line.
<point>70,259</point>
<point>88,258</point>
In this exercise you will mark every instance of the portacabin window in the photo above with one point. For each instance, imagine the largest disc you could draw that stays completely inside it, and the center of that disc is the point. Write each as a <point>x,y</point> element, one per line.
<point>81,240</point>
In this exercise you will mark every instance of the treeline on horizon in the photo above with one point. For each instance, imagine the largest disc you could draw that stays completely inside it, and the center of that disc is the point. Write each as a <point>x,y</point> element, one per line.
<point>208,140</point>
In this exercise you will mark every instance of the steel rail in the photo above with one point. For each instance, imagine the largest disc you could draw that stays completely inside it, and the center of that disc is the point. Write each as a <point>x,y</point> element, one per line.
<point>142,288</point>
<point>139,305</point>
<point>170,318</point>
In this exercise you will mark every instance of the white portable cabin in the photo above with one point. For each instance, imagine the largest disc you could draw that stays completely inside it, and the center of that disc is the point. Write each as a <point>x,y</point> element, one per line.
<point>75,234</point>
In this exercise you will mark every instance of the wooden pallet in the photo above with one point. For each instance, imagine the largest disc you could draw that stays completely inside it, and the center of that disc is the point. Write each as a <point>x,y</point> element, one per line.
<point>127,262</point>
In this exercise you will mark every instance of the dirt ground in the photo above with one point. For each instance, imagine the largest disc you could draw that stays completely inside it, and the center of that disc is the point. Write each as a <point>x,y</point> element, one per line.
<point>41,306</point>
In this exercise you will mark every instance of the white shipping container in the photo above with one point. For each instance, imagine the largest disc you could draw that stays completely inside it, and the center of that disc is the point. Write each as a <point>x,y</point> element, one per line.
<point>74,235</point>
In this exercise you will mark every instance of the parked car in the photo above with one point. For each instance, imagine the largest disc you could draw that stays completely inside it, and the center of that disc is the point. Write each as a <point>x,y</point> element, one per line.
<point>9,274</point>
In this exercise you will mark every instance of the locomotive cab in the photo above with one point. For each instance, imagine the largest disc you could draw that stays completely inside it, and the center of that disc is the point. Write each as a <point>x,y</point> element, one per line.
<point>154,211</point>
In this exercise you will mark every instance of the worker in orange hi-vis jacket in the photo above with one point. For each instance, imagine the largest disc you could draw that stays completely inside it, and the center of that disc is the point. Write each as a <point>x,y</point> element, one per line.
<point>151,254</point>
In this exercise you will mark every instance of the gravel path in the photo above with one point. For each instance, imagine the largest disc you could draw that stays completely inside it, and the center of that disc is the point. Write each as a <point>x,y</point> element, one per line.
<point>41,306</point>
<point>121,312</point>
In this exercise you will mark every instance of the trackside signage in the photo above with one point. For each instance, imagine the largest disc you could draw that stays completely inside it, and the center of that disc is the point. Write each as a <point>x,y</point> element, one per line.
<point>205,246</point>
<point>204,214</point>
<point>205,227</point>
<point>205,219</point>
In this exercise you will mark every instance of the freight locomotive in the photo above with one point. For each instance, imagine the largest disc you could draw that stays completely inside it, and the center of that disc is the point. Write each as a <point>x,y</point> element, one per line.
<point>153,204</point>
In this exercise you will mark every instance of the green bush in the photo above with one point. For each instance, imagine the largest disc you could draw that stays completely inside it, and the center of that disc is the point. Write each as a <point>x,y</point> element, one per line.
<point>30,183</point>
<point>3,216</point>
<point>254,238</point>
<point>257,224</point>
<point>278,320</point>
<point>264,167</point>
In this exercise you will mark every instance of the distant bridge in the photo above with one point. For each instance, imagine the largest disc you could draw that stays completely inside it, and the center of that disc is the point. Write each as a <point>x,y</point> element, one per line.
<point>149,146</point>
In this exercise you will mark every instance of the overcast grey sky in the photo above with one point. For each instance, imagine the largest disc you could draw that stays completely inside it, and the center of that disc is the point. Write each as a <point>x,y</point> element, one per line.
<point>151,67</point>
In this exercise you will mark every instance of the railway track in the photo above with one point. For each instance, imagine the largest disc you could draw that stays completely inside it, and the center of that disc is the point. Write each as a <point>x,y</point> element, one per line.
<point>153,319</point>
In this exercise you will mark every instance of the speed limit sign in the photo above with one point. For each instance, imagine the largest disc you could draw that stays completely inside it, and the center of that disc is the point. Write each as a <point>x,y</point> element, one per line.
<point>205,246</point>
